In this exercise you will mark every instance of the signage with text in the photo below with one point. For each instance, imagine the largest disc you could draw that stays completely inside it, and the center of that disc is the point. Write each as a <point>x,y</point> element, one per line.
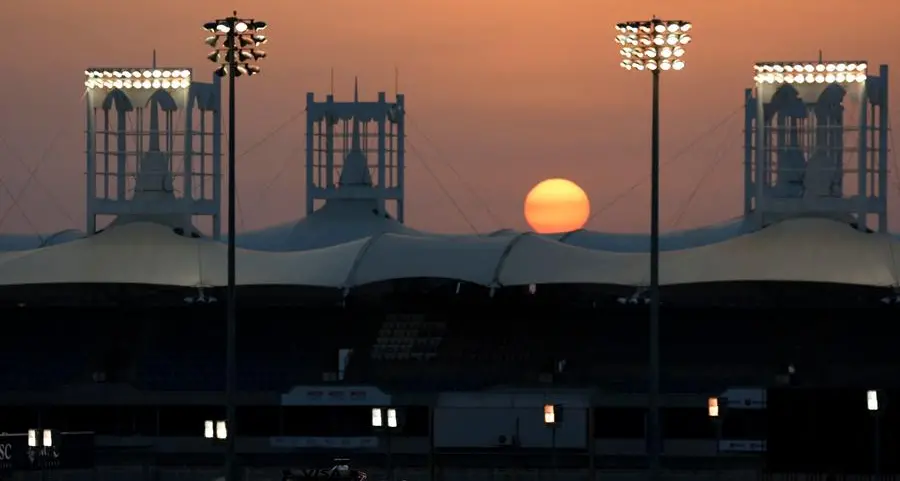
<point>70,451</point>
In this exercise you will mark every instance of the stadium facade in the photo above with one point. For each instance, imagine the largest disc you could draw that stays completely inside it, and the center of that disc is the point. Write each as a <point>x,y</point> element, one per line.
<point>469,339</point>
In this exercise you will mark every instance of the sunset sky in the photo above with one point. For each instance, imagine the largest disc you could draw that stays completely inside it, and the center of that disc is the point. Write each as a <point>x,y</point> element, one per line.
<point>503,92</point>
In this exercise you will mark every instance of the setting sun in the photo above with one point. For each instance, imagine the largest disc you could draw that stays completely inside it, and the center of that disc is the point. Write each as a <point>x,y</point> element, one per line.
<point>557,205</point>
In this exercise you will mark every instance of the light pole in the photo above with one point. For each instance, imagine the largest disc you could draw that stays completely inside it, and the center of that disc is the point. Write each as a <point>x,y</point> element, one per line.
<point>235,56</point>
<point>386,421</point>
<point>552,418</point>
<point>654,45</point>
<point>712,410</point>
<point>872,406</point>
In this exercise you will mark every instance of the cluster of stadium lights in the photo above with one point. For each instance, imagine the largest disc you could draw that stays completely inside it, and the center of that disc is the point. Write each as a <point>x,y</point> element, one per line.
<point>137,79</point>
<point>810,72</point>
<point>653,44</point>
<point>240,37</point>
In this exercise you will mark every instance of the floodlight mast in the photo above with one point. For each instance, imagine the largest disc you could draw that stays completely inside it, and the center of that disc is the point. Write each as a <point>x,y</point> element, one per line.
<point>655,45</point>
<point>237,56</point>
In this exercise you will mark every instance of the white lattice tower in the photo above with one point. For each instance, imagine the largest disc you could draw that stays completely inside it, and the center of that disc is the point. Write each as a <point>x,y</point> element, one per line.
<point>816,143</point>
<point>153,147</point>
<point>355,150</point>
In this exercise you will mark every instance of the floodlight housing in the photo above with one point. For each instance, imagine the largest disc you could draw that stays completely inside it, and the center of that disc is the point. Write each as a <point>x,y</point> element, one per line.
<point>843,72</point>
<point>872,400</point>
<point>237,50</point>
<point>385,418</point>
<point>552,414</point>
<point>215,429</point>
<point>653,44</point>
<point>40,438</point>
<point>377,420</point>
<point>133,78</point>
<point>712,407</point>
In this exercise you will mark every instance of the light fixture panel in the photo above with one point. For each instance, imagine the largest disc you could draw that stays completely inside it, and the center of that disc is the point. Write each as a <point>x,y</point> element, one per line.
<point>843,72</point>
<point>653,44</point>
<point>137,78</point>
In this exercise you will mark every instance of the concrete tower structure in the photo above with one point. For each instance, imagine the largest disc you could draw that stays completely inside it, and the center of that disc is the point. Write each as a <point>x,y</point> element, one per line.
<point>816,143</point>
<point>153,147</point>
<point>344,140</point>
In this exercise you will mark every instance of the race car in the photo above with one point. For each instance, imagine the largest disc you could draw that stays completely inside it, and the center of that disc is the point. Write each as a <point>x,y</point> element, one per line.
<point>340,470</point>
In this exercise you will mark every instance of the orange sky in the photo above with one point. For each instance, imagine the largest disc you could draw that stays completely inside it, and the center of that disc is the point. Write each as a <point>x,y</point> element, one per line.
<point>508,92</point>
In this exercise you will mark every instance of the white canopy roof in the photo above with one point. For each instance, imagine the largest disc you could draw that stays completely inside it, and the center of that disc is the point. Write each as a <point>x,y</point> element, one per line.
<point>673,240</point>
<point>344,220</point>
<point>810,250</point>
<point>799,250</point>
<point>145,253</point>
<point>340,221</point>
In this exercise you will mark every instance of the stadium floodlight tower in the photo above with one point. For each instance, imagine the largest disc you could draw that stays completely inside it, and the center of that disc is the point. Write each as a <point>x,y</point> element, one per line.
<point>816,142</point>
<point>152,145</point>
<point>371,129</point>
<point>654,46</point>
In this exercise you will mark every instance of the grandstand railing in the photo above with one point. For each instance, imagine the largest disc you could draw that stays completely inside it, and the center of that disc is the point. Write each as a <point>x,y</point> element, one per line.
<point>155,473</point>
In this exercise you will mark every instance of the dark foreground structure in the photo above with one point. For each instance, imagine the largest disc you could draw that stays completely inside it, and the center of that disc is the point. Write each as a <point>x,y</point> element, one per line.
<point>467,371</point>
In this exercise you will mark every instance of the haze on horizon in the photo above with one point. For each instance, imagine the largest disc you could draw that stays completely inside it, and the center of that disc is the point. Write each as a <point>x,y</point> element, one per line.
<point>501,94</point>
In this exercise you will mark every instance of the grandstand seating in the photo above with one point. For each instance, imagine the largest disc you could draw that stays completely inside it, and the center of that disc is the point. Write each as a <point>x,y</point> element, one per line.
<point>187,357</point>
<point>438,351</point>
<point>35,358</point>
<point>272,354</point>
<point>277,354</point>
<point>405,351</point>
<point>173,354</point>
<point>458,354</point>
<point>698,355</point>
<point>407,337</point>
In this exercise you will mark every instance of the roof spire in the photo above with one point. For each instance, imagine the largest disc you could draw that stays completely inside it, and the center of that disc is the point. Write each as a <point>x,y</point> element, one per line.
<point>354,141</point>
<point>154,126</point>
<point>154,118</point>
<point>355,171</point>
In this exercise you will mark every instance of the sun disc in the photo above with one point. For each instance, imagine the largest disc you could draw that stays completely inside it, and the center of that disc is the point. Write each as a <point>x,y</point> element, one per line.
<point>556,206</point>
